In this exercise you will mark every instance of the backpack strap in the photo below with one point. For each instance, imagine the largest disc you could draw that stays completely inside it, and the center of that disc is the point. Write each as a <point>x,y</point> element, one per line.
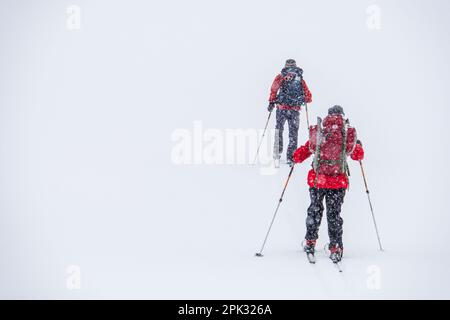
<point>316,160</point>
<point>345,168</point>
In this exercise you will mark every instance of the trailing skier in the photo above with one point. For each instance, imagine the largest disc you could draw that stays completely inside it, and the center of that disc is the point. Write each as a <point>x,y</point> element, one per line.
<point>288,93</point>
<point>328,178</point>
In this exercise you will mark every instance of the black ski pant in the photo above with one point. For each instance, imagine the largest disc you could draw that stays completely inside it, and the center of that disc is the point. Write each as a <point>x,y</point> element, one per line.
<point>334,198</point>
<point>293,119</point>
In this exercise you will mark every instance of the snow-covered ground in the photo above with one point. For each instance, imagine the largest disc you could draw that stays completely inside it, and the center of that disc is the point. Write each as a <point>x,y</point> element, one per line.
<point>90,194</point>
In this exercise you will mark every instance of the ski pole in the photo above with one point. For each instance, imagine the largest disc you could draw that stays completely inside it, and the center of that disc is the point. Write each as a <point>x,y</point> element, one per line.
<point>370,204</point>
<point>262,138</point>
<point>259,254</point>
<point>307,117</point>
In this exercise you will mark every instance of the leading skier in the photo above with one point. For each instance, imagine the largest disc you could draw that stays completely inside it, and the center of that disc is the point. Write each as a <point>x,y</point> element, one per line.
<point>288,93</point>
<point>328,179</point>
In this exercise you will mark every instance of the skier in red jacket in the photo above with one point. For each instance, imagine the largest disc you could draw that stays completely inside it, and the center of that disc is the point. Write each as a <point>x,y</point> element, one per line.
<point>328,178</point>
<point>288,93</point>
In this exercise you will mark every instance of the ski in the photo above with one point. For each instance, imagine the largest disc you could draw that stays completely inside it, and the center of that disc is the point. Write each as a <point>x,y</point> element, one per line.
<point>338,266</point>
<point>311,258</point>
<point>336,261</point>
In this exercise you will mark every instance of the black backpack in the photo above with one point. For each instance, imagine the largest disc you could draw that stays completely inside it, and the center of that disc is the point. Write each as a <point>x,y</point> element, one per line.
<point>291,91</point>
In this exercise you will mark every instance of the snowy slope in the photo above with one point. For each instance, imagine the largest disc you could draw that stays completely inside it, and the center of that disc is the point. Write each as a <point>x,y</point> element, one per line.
<point>87,174</point>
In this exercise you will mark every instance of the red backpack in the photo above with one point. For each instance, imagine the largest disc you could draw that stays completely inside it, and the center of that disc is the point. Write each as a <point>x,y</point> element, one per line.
<point>331,144</point>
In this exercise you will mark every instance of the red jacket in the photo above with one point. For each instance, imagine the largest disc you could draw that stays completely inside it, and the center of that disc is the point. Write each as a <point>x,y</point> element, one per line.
<point>276,86</point>
<point>324,181</point>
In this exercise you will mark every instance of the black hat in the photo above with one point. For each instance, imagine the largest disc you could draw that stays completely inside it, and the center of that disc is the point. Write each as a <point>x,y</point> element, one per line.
<point>290,63</point>
<point>336,110</point>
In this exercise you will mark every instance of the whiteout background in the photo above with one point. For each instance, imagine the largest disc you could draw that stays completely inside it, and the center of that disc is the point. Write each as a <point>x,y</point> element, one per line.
<point>86,176</point>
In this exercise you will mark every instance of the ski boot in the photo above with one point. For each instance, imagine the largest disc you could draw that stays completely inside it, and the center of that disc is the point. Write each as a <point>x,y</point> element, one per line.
<point>276,161</point>
<point>310,246</point>
<point>336,253</point>
<point>309,249</point>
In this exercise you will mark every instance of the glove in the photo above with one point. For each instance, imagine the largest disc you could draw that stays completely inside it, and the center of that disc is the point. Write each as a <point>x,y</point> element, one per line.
<point>271,106</point>
<point>358,153</point>
<point>296,156</point>
<point>301,154</point>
